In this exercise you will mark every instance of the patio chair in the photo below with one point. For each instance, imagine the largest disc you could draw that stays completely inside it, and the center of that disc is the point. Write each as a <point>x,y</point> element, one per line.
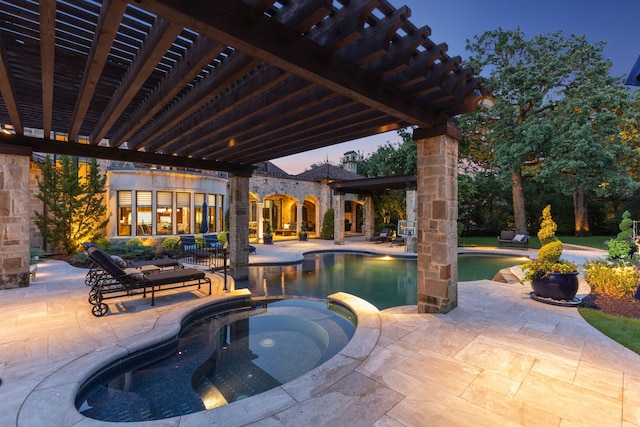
<point>212,241</point>
<point>188,248</point>
<point>398,241</point>
<point>384,235</point>
<point>110,280</point>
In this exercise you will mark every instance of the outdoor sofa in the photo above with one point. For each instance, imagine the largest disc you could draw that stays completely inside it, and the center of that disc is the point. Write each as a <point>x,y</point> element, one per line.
<point>511,238</point>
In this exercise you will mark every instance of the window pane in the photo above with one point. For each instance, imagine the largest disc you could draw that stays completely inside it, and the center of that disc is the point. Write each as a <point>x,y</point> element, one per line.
<point>164,210</point>
<point>183,213</point>
<point>220,215</point>
<point>143,213</point>
<point>183,199</point>
<point>198,200</point>
<point>124,213</point>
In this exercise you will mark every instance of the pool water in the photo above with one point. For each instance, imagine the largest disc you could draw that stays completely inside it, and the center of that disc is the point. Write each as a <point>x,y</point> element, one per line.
<point>383,281</point>
<point>220,359</point>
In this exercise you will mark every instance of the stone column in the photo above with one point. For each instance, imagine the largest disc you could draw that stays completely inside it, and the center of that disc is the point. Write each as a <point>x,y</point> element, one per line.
<point>437,186</point>
<point>338,219</point>
<point>239,224</point>
<point>259,227</point>
<point>14,220</point>
<point>412,204</point>
<point>369,218</point>
<point>299,207</point>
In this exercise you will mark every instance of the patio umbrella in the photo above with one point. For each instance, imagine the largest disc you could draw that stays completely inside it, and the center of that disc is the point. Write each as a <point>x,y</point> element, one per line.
<point>204,225</point>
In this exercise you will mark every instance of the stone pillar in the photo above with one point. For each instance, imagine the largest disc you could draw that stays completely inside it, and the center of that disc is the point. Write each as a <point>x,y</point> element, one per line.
<point>239,224</point>
<point>437,186</point>
<point>412,204</point>
<point>14,220</point>
<point>299,207</point>
<point>369,218</point>
<point>259,225</point>
<point>338,219</point>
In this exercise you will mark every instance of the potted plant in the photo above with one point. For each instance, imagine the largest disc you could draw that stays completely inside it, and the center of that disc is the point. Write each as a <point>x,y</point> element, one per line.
<point>302,236</point>
<point>551,277</point>
<point>267,237</point>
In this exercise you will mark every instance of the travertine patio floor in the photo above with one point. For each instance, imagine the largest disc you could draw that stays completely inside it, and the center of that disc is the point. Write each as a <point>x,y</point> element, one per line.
<point>498,359</point>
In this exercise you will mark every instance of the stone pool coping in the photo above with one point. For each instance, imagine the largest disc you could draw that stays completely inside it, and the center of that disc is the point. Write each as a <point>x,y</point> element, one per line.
<point>52,402</point>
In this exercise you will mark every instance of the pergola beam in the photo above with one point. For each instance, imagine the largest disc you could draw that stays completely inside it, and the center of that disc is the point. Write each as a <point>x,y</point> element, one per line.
<point>18,143</point>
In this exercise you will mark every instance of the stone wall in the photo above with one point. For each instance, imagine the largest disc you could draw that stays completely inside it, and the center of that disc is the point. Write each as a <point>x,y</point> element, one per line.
<point>14,221</point>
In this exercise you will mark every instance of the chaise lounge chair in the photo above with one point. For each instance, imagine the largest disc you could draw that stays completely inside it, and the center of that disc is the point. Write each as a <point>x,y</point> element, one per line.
<point>109,280</point>
<point>382,237</point>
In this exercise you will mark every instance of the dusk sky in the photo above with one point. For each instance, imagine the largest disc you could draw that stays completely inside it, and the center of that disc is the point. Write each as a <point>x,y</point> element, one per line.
<point>614,22</point>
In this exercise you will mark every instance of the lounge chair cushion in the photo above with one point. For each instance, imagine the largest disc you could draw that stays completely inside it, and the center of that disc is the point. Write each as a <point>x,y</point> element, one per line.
<point>118,260</point>
<point>134,272</point>
<point>519,238</point>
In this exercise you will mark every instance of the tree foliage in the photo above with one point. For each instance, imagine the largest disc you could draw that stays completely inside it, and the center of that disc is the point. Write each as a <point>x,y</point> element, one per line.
<point>75,211</point>
<point>392,159</point>
<point>556,115</point>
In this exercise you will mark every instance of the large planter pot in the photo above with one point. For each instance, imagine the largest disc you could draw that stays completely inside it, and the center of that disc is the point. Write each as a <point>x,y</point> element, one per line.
<point>557,286</point>
<point>267,240</point>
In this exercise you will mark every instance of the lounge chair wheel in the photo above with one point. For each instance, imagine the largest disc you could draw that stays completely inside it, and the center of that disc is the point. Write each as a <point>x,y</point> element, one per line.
<point>100,309</point>
<point>95,298</point>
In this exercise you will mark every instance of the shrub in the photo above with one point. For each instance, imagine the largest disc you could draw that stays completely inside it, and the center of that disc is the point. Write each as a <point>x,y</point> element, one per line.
<point>625,226</point>
<point>613,278</point>
<point>267,230</point>
<point>132,250</point>
<point>548,260</point>
<point>548,227</point>
<point>550,252</point>
<point>169,244</point>
<point>618,249</point>
<point>327,225</point>
<point>135,242</point>
<point>222,238</point>
<point>102,242</point>
<point>79,259</point>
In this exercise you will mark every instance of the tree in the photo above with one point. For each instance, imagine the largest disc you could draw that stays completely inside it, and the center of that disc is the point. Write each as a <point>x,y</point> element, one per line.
<point>75,208</point>
<point>588,158</point>
<point>529,78</point>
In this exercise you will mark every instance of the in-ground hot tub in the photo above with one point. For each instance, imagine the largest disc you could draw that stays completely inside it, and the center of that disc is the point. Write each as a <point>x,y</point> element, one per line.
<point>219,358</point>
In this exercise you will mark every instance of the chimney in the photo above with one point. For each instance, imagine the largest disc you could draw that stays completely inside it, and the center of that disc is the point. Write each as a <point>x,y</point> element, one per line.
<point>350,161</point>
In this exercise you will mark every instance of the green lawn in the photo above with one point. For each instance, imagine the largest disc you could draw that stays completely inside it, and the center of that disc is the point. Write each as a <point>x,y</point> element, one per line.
<point>623,330</point>
<point>591,241</point>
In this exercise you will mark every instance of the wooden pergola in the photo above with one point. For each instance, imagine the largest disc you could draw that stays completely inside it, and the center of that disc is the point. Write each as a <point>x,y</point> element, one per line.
<point>218,84</point>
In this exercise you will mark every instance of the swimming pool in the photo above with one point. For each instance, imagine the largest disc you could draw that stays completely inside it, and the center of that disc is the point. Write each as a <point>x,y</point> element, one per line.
<point>218,359</point>
<point>384,281</point>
